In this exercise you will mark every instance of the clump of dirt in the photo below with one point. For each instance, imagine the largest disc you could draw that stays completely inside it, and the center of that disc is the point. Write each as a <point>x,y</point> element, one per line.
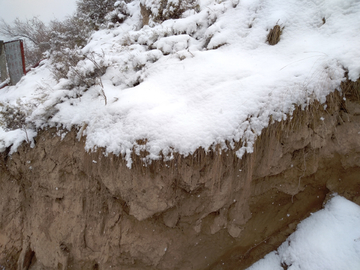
<point>64,208</point>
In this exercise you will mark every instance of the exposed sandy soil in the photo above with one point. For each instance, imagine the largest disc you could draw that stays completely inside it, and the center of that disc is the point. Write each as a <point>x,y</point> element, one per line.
<point>64,208</point>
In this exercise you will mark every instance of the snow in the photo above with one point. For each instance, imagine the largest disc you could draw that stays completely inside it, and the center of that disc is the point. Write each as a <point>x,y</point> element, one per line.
<point>329,239</point>
<point>197,81</point>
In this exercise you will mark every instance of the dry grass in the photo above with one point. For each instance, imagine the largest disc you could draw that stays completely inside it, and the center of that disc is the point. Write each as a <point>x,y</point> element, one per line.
<point>273,37</point>
<point>351,89</point>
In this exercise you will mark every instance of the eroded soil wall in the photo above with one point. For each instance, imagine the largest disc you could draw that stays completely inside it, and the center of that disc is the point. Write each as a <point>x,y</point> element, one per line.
<point>64,208</point>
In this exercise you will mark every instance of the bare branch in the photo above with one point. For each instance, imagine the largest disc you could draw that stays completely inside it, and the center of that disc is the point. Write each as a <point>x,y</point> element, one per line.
<point>32,29</point>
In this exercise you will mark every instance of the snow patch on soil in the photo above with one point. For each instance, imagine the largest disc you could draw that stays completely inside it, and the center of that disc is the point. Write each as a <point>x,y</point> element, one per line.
<point>328,239</point>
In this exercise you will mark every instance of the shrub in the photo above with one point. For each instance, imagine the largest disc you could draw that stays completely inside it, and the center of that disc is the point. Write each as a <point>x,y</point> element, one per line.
<point>93,12</point>
<point>13,117</point>
<point>161,10</point>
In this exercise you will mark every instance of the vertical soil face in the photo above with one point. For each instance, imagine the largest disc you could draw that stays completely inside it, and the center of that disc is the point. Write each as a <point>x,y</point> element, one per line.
<point>63,208</point>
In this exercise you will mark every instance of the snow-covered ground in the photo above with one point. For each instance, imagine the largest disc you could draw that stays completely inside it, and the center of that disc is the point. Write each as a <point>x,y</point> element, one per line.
<point>328,240</point>
<point>201,80</point>
<point>204,79</point>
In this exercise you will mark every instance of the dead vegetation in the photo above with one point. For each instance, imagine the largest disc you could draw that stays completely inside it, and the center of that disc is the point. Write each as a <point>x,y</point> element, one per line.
<point>273,37</point>
<point>351,89</point>
<point>13,117</point>
<point>166,10</point>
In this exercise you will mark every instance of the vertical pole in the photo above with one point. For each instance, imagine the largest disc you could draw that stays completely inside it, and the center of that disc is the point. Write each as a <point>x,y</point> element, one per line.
<point>23,56</point>
<point>3,69</point>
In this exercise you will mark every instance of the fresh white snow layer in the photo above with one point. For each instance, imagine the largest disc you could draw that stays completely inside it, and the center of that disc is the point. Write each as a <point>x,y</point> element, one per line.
<point>328,240</point>
<point>204,79</point>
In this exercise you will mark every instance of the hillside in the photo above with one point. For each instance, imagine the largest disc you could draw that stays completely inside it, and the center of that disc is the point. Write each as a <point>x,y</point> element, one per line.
<point>169,141</point>
<point>204,79</point>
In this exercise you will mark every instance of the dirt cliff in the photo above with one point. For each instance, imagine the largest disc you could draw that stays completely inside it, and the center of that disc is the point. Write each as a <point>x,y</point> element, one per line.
<point>64,208</point>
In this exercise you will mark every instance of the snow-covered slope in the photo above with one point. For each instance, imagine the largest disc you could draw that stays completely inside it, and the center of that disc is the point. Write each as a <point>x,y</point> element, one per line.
<point>329,239</point>
<point>201,80</point>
